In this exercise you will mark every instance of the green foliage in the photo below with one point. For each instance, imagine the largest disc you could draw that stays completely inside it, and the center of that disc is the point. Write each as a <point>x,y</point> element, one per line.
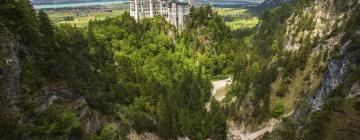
<point>216,122</point>
<point>356,106</point>
<point>56,123</point>
<point>8,120</point>
<point>320,119</point>
<point>142,75</point>
<point>272,29</point>
<point>279,108</point>
<point>45,25</point>
<point>285,131</point>
<point>108,132</point>
<point>281,92</point>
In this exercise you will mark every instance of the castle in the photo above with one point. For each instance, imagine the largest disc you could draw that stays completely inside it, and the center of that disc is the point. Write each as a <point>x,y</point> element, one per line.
<point>174,11</point>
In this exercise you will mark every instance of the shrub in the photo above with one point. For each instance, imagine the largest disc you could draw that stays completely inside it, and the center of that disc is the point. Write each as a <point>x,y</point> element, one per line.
<point>356,106</point>
<point>281,92</point>
<point>108,132</point>
<point>279,108</point>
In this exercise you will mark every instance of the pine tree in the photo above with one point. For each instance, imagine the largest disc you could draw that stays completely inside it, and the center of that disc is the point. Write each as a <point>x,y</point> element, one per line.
<point>217,121</point>
<point>45,25</point>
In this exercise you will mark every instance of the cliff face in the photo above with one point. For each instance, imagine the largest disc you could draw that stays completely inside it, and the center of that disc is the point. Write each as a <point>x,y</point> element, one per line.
<point>11,71</point>
<point>334,76</point>
<point>328,85</point>
<point>320,48</point>
<point>18,112</point>
<point>326,20</point>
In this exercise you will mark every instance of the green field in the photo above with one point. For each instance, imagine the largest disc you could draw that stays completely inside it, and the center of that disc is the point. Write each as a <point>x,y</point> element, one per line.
<point>240,18</point>
<point>82,20</point>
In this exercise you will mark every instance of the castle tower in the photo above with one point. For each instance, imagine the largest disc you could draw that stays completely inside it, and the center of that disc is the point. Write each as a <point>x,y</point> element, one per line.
<point>151,10</point>
<point>134,11</point>
<point>191,3</point>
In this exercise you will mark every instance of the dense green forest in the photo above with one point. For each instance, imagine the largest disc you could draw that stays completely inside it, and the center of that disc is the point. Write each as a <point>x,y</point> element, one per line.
<point>144,75</point>
<point>117,76</point>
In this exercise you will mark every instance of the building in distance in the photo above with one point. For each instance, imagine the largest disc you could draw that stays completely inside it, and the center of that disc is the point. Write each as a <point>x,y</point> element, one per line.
<point>175,12</point>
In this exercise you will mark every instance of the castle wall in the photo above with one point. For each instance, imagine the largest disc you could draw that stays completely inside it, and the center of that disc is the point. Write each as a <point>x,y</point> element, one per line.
<point>173,11</point>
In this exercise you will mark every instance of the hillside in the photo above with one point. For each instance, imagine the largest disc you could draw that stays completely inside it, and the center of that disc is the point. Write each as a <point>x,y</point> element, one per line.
<point>295,75</point>
<point>268,4</point>
<point>304,72</point>
<point>63,1</point>
<point>112,79</point>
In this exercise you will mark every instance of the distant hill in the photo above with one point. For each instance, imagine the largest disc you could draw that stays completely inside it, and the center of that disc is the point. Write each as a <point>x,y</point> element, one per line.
<point>272,3</point>
<point>231,3</point>
<point>64,1</point>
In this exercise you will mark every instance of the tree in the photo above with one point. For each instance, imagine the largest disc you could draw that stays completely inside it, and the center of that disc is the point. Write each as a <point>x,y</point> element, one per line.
<point>279,108</point>
<point>217,127</point>
<point>45,25</point>
<point>108,132</point>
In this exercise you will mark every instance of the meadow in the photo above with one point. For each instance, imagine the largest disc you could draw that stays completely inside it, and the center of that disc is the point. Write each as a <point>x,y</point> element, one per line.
<point>81,20</point>
<point>237,18</point>
<point>81,17</point>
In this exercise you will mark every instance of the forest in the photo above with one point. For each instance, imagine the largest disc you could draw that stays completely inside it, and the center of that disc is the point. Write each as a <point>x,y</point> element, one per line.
<point>144,75</point>
<point>117,76</point>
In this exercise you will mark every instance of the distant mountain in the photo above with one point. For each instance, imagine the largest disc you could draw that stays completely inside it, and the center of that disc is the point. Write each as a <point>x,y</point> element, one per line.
<point>230,3</point>
<point>235,3</point>
<point>273,3</point>
<point>64,1</point>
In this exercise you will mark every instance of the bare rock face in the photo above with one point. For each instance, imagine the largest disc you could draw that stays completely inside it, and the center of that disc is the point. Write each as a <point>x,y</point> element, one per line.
<point>144,136</point>
<point>91,120</point>
<point>355,90</point>
<point>334,76</point>
<point>9,43</point>
<point>327,16</point>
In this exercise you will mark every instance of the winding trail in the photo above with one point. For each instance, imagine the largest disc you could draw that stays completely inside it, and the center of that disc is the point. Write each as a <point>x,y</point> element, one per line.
<point>240,133</point>
<point>219,91</point>
<point>236,133</point>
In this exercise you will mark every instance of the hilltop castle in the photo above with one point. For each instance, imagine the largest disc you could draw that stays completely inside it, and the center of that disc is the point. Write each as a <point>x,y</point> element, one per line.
<point>174,11</point>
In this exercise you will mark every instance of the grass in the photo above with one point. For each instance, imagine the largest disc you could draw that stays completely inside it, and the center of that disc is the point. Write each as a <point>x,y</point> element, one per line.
<point>240,18</point>
<point>230,11</point>
<point>243,23</point>
<point>82,20</point>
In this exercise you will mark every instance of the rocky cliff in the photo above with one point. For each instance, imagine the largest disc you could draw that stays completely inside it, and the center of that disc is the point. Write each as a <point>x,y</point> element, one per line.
<point>316,71</point>
<point>332,27</point>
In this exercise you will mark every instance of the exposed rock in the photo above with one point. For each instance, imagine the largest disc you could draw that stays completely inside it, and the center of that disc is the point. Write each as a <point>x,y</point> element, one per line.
<point>354,91</point>
<point>93,124</point>
<point>52,94</point>
<point>8,41</point>
<point>333,77</point>
<point>144,136</point>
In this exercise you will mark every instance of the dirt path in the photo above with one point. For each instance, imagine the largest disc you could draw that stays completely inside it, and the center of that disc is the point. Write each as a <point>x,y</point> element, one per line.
<point>219,90</point>
<point>236,133</point>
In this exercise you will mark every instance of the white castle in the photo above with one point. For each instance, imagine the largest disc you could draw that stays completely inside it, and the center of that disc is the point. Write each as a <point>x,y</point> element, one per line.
<point>174,11</point>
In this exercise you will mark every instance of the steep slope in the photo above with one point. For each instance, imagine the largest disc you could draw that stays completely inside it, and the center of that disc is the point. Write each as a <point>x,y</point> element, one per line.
<point>112,80</point>
<point>308,52</point>
<point>273,3</point>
